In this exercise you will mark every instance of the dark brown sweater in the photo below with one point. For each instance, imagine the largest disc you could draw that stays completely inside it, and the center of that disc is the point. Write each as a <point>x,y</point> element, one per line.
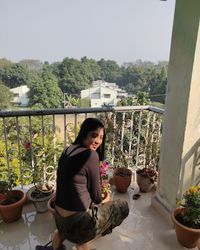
<point>78,181</point>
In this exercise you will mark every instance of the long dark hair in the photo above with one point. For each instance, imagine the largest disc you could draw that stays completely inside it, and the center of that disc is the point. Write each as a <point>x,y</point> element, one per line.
<point>89,125</point>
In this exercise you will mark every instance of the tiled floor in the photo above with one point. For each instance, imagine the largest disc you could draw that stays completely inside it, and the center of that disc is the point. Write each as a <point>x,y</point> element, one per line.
<point>143,229</point>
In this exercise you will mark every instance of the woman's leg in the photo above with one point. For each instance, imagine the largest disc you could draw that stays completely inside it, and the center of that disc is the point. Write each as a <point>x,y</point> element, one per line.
<point>56,240</point>
<point>85,246</point>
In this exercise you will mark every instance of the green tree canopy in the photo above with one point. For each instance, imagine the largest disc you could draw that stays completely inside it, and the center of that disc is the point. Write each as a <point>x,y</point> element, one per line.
<point>141,98</point>
<point>132,79</point>
<point>156,84</point>
<point>44,91</point>
<point>15,75</point>
<point>72,76</point>
<point>110,70</point>
<point>5,96</point>
<point>32,65</point>
<point>4,63</point>
<point>92,69</point>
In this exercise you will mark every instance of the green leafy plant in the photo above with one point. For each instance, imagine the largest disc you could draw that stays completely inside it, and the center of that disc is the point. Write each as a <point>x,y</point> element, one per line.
<point>114,152</point>
<point>190,216</point>
<point>14,167</point>
<point>6,195</point>
<point>45,165</point>
<point>30,148</point>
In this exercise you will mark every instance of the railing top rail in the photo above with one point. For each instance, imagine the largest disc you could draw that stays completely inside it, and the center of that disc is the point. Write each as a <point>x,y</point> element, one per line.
<point>157,110</point>
<point>77,111</point>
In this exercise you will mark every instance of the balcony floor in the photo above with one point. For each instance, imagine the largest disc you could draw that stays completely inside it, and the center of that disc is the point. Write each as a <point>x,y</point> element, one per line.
<point>143,229</point>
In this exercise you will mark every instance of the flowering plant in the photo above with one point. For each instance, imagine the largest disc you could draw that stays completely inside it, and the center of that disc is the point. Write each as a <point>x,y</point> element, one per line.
<point>190,217</point>
<point>41,160</point>
<point>105,186</point>
<point>150,172</point>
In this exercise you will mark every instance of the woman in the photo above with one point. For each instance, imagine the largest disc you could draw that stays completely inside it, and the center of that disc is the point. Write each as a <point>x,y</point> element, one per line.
<point>78,217</point>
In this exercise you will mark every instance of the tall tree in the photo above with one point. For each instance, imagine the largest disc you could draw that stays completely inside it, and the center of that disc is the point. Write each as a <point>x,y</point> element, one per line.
<point>132,79</point>
<point>45,91</point>
<point>110,70</point>
<point>31,64</point>
<point>92,68</point>
<point>4,63</point>
<point>156,84</point>
<point>15,75</point>
<point>5,96</point>
<point>72,76</point>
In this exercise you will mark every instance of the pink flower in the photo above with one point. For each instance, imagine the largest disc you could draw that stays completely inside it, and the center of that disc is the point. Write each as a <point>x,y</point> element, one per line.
<point>27,145</point>
<point>105,186</point>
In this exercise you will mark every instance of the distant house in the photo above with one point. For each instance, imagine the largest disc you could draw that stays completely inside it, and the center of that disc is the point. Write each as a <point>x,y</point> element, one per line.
<point>20,97</point>
<point>103,93</point>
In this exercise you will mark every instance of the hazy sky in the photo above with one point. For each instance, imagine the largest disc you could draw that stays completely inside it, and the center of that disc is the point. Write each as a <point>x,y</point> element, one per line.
<point>120,30</point>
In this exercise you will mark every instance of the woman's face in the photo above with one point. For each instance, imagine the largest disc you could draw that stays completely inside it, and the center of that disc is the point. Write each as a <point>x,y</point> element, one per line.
<point>94,139</point>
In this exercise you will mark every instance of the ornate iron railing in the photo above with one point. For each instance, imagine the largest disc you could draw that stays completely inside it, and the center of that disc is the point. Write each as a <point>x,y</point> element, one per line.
<point>32,140</point>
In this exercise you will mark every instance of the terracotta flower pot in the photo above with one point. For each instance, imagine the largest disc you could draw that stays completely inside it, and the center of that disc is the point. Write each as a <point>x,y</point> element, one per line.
<point>144,183</point>
<point>122,179</point>
<point>13,212</point>
<point>188,237</point>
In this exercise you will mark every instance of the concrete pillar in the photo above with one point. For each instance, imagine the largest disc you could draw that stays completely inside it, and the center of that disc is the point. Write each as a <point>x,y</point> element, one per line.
<point>180,144</point>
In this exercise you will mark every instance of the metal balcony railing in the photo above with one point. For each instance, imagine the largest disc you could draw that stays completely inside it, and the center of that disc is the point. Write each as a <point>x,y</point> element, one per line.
<point>32,140</point>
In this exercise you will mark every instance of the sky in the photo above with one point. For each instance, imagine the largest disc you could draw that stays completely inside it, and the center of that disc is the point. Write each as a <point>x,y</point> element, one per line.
<point>119,30</point>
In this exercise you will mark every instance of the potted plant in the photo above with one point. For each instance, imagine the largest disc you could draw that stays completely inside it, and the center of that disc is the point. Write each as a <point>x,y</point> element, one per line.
<point>40,195</point>
<point>11,201</point>
<point>41,154</point>
<point>116,153</point>
<point>122,179</point>
<point>186,218</point>
<point>146,178</point>
<point>44,182</point>
<point>122,175</point>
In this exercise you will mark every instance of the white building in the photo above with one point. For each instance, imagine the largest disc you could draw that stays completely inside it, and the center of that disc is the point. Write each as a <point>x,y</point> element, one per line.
<point>103,93</point>
<point>20,95</point>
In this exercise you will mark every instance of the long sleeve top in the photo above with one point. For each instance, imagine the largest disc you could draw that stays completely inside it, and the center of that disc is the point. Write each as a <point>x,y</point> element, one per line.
<point>78,181</point>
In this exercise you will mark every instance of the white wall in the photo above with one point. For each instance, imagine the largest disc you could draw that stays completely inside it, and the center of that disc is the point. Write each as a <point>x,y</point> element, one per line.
<point>181,125</point>
<point>91,93</point>
<point>97,96</point>
<point>21,98</point>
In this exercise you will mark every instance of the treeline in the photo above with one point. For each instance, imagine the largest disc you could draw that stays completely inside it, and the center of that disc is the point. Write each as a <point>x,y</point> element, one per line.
<point>48,82</point>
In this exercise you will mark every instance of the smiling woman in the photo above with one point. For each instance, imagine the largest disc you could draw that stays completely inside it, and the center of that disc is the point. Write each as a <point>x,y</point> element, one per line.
<point>92,136</point>
<point>80,214</point>
<point>94,139</point>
